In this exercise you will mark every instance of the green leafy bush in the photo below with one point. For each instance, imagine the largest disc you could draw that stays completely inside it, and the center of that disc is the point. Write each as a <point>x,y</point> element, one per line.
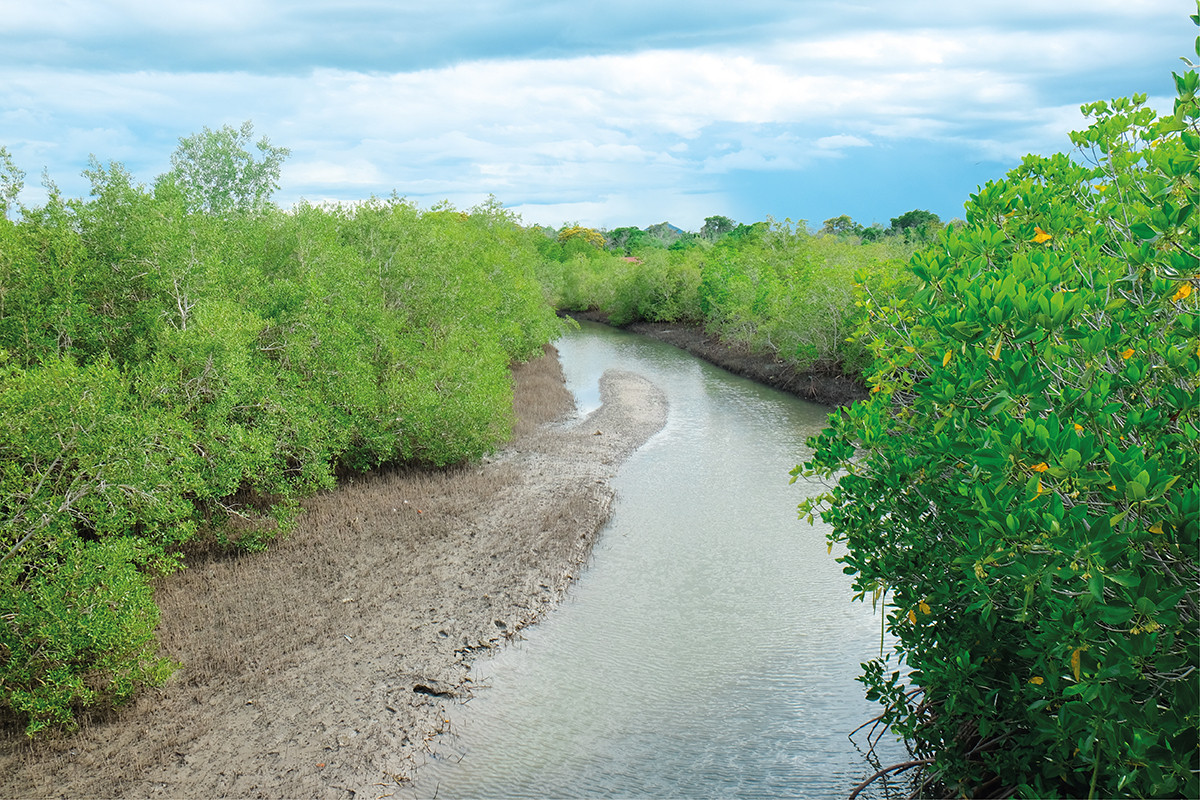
<point>769,286</point>
<point>78,632</point>
<point>656,286</point>
<point>1022,486</point>
<point>189,360</point>
<point>93,504</point>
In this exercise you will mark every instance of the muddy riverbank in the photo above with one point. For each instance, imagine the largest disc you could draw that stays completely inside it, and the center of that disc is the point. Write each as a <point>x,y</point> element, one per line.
<point>825,387</point>
<point>321,667</point>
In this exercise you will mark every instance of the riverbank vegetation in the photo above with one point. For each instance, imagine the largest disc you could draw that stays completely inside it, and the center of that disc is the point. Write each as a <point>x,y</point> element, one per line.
<point>179,363</point>
<point>1021,492</point>
<point>772,287</point>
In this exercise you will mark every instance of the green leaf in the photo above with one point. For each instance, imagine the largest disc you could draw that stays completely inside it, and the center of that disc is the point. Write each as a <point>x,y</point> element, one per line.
<point>1142,230</point>
<point>1115,615</point>
<point>997,404</point>
<point>1123,578</point>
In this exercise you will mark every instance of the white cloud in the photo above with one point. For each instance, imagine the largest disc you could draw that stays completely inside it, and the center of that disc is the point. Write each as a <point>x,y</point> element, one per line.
<point>641,208</point>
<point>603,132</point>
<point>840,141</point>
<point>357,172</point>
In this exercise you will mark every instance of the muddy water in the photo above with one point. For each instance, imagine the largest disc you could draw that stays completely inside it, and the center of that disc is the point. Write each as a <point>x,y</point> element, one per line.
<point>710,648</point>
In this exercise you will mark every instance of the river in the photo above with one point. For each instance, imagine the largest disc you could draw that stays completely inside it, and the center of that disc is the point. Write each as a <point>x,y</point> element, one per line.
<point>710,648</point>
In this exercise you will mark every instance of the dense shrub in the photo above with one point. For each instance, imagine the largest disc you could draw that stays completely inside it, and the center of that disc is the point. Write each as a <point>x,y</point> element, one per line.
<point>168,372</point>
<point>658,285</point>
<point>1023,486</point>
<point>781,290</point>
<point>770,286</point>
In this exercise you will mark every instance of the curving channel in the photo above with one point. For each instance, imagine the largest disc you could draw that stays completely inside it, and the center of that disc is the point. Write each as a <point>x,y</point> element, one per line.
<point>710,648</point>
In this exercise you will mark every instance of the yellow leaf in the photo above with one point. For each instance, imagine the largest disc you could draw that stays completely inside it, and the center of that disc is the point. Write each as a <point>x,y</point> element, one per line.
<point>923,607</point>
<point>1040,236</point>
<point>1040,467</point>
<point>946,358</point>
<point>1040,490</point>
<point>1182,293</point>
<point>1037,680</point>
<point>912,617</point>
<point>1156,527</point>
<point>1075,661</point>
<point>996,350</point>
<point>1101,187</point>
<point>1078,428</point>
<point>1127,353</point>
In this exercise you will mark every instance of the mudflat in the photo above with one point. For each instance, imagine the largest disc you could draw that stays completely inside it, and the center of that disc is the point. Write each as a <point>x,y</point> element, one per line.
<point>321,667</point>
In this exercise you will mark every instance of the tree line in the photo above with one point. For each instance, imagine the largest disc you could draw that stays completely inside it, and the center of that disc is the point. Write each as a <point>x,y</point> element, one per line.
<point>774,287</point>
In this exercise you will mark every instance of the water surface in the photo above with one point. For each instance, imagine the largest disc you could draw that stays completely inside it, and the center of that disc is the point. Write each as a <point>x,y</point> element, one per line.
<point>710,648</point>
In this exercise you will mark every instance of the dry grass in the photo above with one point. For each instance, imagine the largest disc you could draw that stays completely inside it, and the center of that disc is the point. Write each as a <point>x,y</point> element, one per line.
<point>540,394</point>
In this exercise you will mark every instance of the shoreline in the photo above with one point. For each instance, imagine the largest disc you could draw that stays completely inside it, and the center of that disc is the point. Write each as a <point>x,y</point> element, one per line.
<point>318,668</point>
<point>826,388</point>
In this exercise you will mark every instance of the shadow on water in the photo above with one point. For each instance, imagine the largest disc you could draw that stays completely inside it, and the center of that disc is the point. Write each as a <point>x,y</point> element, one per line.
<point>711,647</point>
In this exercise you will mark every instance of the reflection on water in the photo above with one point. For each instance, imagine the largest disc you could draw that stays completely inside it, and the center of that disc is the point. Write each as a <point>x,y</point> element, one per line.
<point>710,648</point>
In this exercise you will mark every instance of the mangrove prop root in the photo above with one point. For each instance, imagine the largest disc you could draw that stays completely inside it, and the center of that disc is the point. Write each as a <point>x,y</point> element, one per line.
<point>920,762</point>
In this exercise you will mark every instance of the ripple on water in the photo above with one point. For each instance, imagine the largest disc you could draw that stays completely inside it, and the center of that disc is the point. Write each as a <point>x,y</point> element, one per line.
<point>710,649</point>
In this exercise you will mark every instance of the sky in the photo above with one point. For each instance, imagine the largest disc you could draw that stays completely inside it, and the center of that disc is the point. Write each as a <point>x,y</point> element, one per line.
<point>606,114</point>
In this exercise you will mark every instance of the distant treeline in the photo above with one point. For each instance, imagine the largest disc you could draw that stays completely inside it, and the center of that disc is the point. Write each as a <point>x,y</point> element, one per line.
<point>772,286</point>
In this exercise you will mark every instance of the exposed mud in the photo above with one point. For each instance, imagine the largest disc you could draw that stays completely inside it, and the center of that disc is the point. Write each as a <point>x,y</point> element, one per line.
<point>826,387</point>
<point>320,668</point>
